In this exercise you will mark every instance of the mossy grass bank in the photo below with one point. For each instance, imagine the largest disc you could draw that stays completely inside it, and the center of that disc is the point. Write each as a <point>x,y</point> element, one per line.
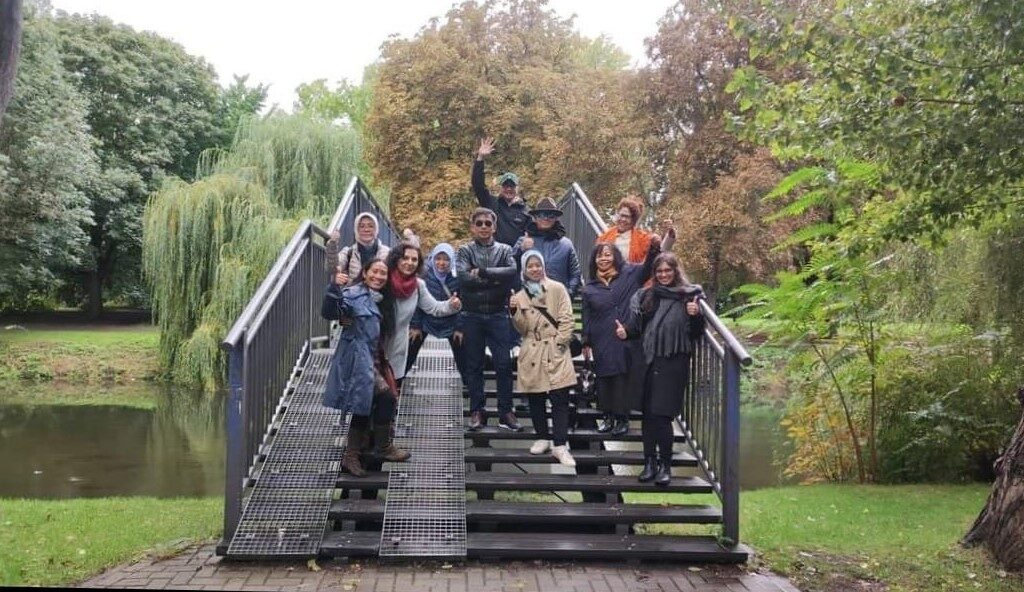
<point>83,355</point>
<point>55,542</point>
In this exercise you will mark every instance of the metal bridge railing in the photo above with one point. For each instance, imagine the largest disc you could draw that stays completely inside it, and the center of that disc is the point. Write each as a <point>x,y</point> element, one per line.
<point>266,342</point>
<point>710,416</point>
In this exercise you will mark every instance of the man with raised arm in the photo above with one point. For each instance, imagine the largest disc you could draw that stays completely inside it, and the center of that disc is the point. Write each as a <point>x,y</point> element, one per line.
<point>485,271</point>
<point>511,211</point>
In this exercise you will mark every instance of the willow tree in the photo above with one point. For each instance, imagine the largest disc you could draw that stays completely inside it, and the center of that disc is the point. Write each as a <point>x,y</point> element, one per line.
<point>208,244</point>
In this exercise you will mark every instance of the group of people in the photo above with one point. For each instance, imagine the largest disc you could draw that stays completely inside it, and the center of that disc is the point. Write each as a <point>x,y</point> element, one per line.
<point>512,286</point>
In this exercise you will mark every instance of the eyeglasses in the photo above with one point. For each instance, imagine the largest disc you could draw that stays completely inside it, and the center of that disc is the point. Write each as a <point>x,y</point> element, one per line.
<point>483,223</point>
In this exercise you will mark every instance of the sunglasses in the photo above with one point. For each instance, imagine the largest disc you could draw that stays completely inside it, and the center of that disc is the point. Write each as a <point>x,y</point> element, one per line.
<point>483,223</point>
<point>545,215</point>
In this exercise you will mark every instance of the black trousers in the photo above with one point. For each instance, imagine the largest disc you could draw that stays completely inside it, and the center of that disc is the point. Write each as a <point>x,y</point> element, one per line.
<point>559,415</point>
<point>657,435</point>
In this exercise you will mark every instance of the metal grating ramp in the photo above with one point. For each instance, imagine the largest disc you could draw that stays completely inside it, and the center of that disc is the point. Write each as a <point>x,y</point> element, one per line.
<point>286,512</point>
<point>425,511</point>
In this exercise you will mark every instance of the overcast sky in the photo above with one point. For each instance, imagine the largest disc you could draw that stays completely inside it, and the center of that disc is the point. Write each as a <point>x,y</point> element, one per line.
<point>332,39</point>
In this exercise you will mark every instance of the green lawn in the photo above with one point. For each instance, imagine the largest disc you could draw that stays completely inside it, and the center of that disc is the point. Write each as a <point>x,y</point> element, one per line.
<point>140,395</point>
<point>101,354</point>
<point>830,537</point>
<point>54,542</point>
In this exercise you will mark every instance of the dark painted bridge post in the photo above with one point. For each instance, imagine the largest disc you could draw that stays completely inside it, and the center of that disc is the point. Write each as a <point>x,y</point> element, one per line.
<point>236,461</point>
<point>731,449</point>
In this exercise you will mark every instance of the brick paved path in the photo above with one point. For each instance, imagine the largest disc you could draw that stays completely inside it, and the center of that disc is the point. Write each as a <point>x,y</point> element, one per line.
<point>200,569</point>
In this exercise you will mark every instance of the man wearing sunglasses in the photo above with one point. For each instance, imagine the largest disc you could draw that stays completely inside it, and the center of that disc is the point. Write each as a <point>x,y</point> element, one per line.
<point>546,234</point>
<point>486,271</point>
<point>510,210</point>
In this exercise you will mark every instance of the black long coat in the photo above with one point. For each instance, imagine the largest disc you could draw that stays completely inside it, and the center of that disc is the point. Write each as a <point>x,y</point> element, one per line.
<point>666,378</point>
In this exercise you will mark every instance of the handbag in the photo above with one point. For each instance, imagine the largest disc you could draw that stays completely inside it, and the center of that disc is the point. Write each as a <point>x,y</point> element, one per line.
<point>575,343</point>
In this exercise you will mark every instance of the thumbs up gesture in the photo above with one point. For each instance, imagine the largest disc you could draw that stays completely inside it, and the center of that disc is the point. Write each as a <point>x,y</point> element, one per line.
<point>455,301</point>
<point>620,331</point>
<point>527,242</point>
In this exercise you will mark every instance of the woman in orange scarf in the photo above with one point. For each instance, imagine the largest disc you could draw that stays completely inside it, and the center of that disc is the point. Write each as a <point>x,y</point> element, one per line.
<point>632,242</point>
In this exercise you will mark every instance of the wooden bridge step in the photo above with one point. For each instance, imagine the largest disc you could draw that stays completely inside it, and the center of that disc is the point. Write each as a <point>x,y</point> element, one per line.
<point>583,457</point>
<point>493,432</point>
<point>486,481</point>
<point>507,545</point>
<point>549,512</point>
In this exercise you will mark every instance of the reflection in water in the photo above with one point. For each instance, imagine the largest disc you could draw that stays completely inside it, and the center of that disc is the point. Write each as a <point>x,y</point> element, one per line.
<point>54,451</point>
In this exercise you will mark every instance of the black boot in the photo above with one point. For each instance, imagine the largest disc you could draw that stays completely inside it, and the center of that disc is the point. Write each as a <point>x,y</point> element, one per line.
<point>606,424</point>
<point>650,469</point>
<point>664,476</point>
<point>621,427</point>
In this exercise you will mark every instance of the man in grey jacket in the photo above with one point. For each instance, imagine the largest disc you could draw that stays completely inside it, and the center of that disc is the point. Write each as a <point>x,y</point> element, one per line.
<point>485,270</point>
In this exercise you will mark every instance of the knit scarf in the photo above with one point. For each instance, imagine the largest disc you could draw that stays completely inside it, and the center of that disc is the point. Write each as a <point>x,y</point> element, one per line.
<point>401,286</point>
<point>667,331</point>
<point>608,275</point>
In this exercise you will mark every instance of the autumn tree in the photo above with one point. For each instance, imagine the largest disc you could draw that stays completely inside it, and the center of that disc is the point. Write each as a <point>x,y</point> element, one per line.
<point>558,103</point>
<point>704,176</point>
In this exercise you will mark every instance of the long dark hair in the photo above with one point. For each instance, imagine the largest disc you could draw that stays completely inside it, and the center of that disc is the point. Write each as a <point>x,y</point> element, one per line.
<point>648,302</point>
<point>386,305</point>
<point>395,255</point>
<point>617,260</point>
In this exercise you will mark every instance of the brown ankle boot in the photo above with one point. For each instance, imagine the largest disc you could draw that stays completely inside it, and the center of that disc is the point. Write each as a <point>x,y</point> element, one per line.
<point>386,448</point>
<point>357,438</point>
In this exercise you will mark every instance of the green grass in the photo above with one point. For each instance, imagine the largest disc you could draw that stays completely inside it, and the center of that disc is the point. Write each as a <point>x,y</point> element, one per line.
<point>140,395</point>
<point>100,354</point>
<point>54,542</point>
<point>831,537</point>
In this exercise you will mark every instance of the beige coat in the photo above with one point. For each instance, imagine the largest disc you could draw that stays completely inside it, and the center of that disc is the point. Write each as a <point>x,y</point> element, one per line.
<point>545,363</point>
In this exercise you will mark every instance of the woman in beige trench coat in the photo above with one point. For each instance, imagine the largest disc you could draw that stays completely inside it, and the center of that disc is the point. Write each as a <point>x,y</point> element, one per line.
<point>542,313</point>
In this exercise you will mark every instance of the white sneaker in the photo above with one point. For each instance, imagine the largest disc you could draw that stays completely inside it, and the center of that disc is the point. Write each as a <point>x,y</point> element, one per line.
<point>540,447</point>
<point>563,455</point>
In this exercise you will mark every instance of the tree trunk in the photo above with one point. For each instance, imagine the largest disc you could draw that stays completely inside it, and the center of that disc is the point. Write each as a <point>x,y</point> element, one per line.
<point>1000,526</point>
<point>10,49</point>
<point>94,299</point>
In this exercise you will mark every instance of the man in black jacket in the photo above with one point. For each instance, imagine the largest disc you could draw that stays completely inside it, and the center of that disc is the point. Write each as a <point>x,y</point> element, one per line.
<point>511,211</point>
<point>485,270</point>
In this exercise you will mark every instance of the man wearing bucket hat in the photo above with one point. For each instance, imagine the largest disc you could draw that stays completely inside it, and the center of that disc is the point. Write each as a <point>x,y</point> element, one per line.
<point>546,234</point>
<point>511,210</point>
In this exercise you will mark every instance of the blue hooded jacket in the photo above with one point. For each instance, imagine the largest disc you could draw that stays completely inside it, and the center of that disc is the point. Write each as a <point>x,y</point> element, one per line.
<point>441,287</point>
<point>351,376</point>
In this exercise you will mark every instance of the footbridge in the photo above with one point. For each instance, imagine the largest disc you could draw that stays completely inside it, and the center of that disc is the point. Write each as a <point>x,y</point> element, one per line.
<point>463,494</point>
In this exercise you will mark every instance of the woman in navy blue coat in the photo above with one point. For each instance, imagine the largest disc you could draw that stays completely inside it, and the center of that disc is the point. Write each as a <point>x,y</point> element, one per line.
<point>354,381</point>
<point>617,363</point>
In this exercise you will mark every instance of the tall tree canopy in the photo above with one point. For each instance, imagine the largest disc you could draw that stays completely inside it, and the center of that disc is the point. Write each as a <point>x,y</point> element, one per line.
<point>47,163</point>
<point>557,103</point>
<point>151,107</point>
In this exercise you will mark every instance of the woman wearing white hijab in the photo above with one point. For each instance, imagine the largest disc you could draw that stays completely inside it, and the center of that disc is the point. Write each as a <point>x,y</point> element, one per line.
<point>368,246</point>
<point>542,313</point>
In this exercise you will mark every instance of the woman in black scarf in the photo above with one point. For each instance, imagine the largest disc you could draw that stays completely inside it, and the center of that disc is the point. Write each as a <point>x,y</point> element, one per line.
<point>666,320</point>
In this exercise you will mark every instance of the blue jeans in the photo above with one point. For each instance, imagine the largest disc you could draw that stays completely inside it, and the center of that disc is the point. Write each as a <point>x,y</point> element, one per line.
<point>480,331</point>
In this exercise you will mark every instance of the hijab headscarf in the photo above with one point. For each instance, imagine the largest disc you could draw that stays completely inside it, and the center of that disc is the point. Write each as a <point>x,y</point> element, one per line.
<point>532,288</point>
<point>447,250</point>
<point>367,250</point>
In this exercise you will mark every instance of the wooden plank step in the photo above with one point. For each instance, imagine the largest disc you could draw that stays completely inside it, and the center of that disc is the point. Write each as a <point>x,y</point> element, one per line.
<point>493,432</point>
<point>523,412</point>
<point>511,545</point>
<point>486,481</point>
<point>583,457</point>
<point>549,512</point>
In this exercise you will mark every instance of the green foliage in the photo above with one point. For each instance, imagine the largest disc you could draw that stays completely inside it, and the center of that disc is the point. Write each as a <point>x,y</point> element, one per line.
<point>235,104</point>
<point>81,357</point>
<point>208,244</point>
<point>46,162</point>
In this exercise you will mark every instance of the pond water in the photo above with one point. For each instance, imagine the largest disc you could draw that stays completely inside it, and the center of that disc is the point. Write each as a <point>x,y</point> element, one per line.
<point>140,440</point>
<point>158,441</point>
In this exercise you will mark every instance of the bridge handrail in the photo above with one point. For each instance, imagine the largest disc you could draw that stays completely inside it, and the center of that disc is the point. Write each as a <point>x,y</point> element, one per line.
<point>263,343</point>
